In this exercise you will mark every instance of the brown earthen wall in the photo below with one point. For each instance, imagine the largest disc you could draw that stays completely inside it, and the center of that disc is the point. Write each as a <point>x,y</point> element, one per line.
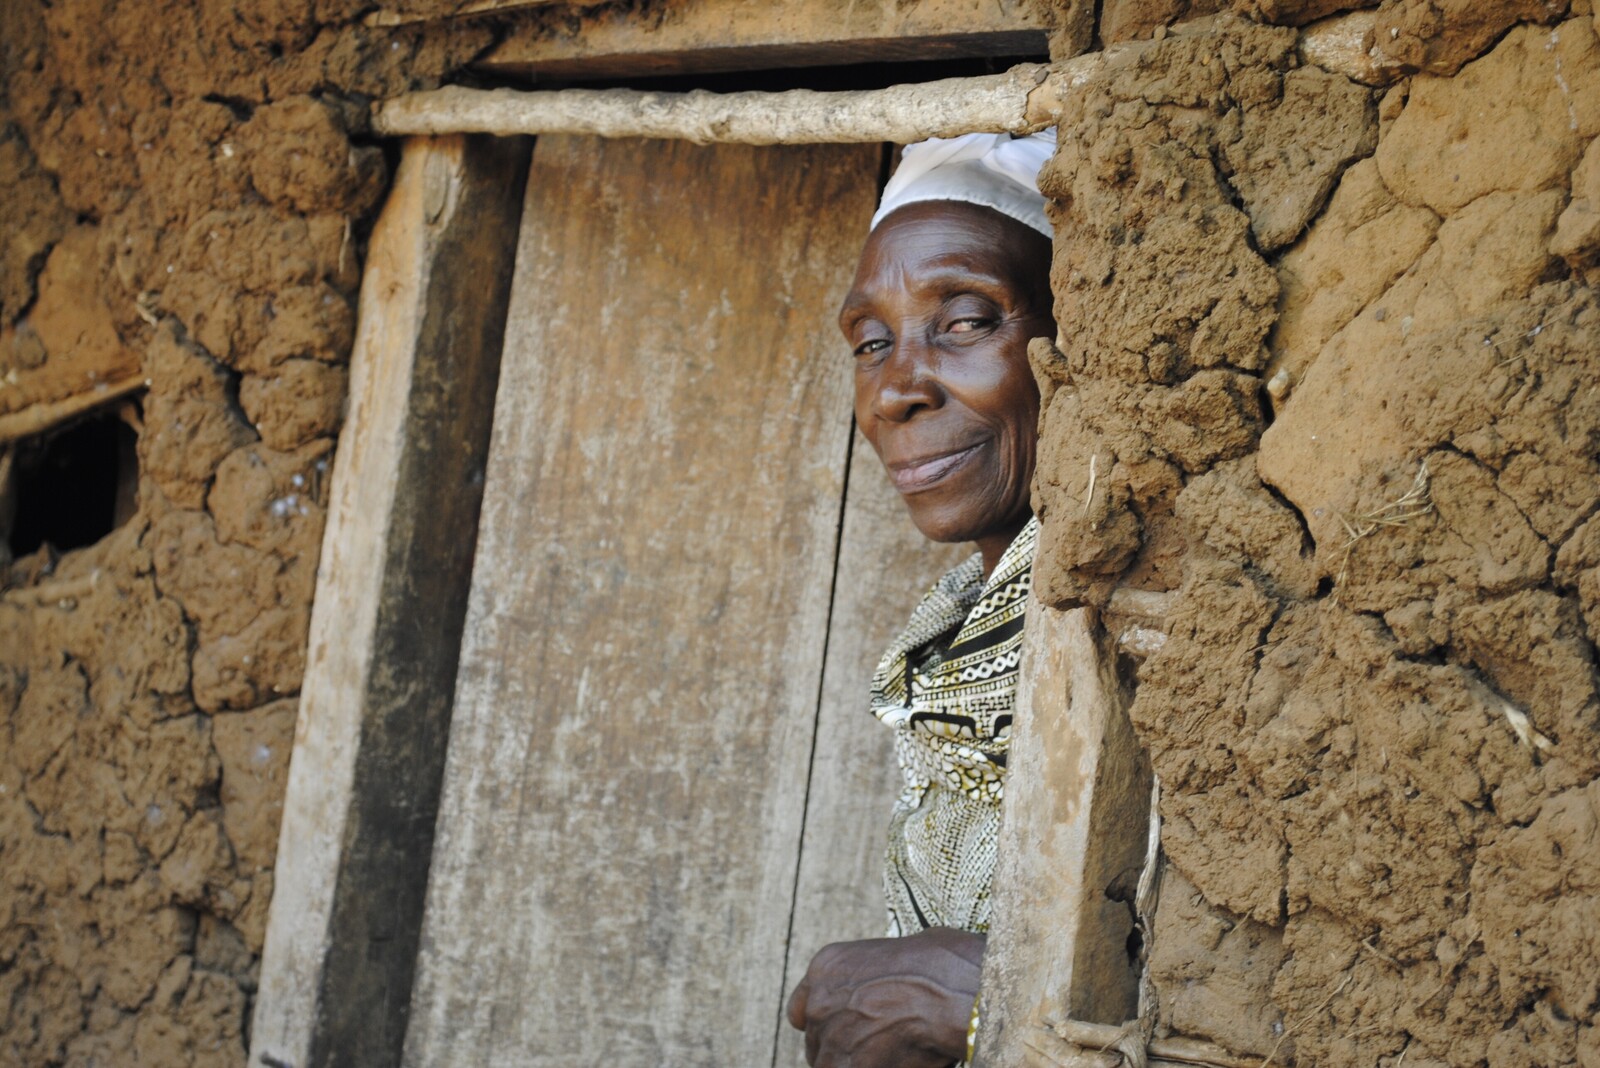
<point>185,188</point>
<point>1375,722</point>
<point>1330,362</point>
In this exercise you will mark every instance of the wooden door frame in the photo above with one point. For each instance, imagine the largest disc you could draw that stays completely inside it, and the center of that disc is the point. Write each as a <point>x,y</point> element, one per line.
<point>389,607</point>
<point>390,603</point>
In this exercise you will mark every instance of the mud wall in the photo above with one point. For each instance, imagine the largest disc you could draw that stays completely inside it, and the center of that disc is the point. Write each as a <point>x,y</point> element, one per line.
<point>1327,374</point>
<point>185,189</point>
<point>1327,362</point>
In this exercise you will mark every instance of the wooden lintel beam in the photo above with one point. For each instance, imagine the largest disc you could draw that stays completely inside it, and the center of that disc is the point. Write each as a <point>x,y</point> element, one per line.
<point>1026,98</point>
<point>728,35</point>
<point>1014,44</point>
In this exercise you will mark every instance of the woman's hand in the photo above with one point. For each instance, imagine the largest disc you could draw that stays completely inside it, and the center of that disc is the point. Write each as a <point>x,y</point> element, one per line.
<point>890,1002</point>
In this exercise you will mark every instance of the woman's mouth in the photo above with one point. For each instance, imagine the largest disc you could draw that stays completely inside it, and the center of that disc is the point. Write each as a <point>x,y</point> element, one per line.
<point>910,476</point>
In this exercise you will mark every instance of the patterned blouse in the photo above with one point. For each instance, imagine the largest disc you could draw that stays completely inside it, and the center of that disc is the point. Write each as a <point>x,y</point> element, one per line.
<point>947,686</point>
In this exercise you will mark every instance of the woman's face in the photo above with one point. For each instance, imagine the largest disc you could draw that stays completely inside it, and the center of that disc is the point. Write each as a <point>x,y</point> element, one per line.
<point>945,300</point>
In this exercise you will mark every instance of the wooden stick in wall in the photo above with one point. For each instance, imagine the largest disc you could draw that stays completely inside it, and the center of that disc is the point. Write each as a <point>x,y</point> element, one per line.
<point>37,418</point>
<point>991,103</point>
<point>1024,99</point>
<point>1078,1044</point>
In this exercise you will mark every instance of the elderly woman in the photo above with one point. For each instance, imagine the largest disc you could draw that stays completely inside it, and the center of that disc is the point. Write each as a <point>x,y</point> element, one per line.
<point>952,284</point>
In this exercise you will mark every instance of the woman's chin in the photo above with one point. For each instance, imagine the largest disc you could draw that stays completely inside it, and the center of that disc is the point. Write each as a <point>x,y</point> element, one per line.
<point>965,520</point>
<point>952,526</point>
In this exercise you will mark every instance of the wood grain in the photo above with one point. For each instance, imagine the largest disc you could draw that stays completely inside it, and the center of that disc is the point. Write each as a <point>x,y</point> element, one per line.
<point>620,827</point>
<point>391,598</point>
<point>990,103</point>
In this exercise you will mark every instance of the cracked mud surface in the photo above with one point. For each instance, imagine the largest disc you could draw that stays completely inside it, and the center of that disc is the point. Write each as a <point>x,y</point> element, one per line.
<point>1375,718</point>
<point>187,187</point>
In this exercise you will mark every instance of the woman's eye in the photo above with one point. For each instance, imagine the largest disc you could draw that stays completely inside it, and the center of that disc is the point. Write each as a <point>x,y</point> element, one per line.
<point>867,348</point>
<point>964,326</point>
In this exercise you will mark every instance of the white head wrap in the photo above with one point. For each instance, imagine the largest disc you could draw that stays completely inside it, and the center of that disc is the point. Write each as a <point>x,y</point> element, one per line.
<point>994,170</point>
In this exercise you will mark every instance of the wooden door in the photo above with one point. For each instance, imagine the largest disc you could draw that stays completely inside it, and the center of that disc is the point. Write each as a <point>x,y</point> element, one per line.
<point>624,845</point>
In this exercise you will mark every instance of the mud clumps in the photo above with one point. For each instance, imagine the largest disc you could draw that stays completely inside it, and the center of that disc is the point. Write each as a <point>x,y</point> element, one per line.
<point>300,158</point>
<point>187,186</point>
<point>107,805</point>
<point>1439,36</point>
<point>1154,382</point>
<point>42,221</point>
<point>190,420</point>
<point>1376,717</point>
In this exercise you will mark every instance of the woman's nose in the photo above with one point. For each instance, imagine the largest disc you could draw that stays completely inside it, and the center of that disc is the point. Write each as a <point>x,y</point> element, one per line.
<point>908,384</point>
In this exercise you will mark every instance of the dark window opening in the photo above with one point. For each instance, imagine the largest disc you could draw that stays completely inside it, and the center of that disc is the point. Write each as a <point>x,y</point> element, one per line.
<point>70,486</point>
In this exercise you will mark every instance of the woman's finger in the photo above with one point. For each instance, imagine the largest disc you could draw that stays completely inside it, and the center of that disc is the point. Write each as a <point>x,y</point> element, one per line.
<point>797,1005</point>
<point>814,1041</point>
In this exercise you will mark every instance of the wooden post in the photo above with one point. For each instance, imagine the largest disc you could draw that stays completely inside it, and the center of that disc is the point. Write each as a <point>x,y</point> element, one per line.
<point>391,598</point>
<point>1071,847</point>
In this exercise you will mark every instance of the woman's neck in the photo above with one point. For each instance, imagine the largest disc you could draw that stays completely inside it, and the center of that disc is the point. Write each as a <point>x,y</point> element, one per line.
<point>994,546</point>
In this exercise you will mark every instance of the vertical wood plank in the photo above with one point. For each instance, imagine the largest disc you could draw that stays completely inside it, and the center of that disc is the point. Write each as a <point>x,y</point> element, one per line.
<point>885,566</point>
<point>1073,833</point>
<point>391,598</point>
<point>621,821</point>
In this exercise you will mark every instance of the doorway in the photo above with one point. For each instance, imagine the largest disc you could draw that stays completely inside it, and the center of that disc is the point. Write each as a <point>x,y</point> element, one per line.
<point>663,789</point>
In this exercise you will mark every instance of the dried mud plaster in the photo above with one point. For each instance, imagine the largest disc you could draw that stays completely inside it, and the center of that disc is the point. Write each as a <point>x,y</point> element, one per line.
<point>186,187</point>
<point>1376,717</point>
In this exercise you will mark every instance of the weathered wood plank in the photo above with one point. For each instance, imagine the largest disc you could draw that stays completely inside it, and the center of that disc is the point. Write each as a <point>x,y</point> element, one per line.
<point>727,35</point>
<point>391,598</point>
<point>1075,827</point>
<point>621,822</point>
<point>1025,99</point>
<point>885,566</point>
